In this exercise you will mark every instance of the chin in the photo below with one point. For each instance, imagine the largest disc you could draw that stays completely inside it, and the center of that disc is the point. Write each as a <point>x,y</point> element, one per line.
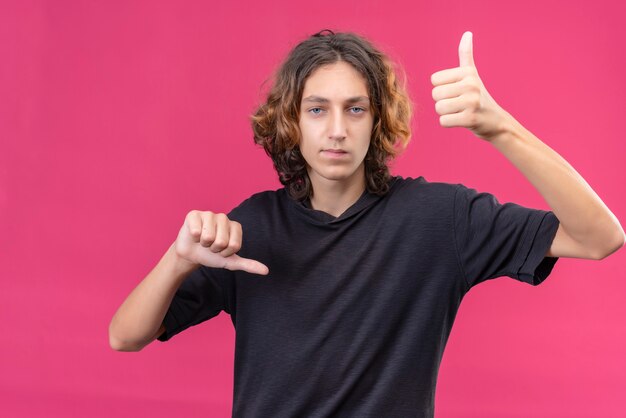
<point>337,172</point>
<point>342,174</point>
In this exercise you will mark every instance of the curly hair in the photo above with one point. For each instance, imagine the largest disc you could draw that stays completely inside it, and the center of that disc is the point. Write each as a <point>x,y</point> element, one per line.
<point>275,123</point>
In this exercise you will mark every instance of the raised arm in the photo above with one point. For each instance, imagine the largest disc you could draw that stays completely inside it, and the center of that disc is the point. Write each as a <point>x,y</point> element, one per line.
<point>588,229</point>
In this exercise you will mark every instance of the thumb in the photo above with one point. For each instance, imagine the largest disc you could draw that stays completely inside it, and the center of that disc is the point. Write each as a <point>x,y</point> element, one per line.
<point>466,53</point>
<point>234,262</point>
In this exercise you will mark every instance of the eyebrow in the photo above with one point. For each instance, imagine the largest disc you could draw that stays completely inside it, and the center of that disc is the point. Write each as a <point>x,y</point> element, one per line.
<point>318,99</point>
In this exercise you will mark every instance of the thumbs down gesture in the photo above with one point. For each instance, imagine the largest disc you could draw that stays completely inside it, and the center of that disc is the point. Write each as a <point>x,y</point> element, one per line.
<point>462,100</point>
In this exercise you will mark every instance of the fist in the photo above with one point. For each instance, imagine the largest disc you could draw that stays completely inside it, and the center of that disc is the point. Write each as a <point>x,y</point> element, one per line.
<point>211,239</point>
<point>461,98</point>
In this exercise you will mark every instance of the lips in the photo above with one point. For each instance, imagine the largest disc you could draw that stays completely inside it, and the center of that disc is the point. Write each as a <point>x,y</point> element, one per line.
<point>335,154</point>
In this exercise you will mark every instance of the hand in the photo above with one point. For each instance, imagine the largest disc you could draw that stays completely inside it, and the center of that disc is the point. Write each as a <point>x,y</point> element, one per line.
<point>211,239</point>
<point>462,100</point>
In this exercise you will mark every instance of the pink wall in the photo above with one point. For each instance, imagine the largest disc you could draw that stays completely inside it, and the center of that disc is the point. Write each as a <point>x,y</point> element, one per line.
<point>117,118</point>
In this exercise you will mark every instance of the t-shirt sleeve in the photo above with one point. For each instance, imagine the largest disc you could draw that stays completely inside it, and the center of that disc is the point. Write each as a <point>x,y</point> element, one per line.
<point>494,239</point>
<point>201,296</point>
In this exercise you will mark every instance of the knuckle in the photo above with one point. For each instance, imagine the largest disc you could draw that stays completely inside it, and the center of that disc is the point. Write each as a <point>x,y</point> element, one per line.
<point>207,215</point>
<point>220,243</point>
<point>473,91</point>
<point>207,221</point>
<point>235,246</point>
<point>207,236</point>
<point>471,117</point>
<point>226,252</point>
<point>194,230</point>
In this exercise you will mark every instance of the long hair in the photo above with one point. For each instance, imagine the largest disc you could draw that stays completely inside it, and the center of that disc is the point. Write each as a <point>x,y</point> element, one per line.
<point>275,123</point>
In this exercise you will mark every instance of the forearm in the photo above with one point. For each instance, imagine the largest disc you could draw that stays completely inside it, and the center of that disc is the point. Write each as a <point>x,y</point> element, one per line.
<point>462,100</point>
<point>581,212</point>
<point>139,317</point>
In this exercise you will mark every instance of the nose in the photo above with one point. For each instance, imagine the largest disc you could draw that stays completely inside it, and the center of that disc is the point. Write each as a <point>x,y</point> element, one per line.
<point>337,128</point>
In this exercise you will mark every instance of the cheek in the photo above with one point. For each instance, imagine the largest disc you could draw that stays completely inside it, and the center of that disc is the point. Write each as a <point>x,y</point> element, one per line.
<point>304,127</point>
<point>366,131</point>
<point>306,142</point>
<point>310,126</point>
<point>309,134</point>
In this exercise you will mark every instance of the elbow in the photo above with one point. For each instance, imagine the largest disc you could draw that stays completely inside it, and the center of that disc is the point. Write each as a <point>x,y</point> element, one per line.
<point>616,245</point>
<point>119,344</point>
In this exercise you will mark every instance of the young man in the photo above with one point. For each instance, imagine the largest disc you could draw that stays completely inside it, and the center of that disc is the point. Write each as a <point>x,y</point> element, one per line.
<point>345,286</point>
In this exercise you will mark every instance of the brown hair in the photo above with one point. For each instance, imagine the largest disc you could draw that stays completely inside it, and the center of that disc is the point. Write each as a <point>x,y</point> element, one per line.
<point>275,123</point>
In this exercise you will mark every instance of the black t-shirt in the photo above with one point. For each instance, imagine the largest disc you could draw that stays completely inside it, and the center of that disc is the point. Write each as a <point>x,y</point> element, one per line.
<point>355,313</point>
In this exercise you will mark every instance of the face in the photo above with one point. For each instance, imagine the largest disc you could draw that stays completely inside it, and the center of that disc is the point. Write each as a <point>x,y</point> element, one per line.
<point>336,124</point>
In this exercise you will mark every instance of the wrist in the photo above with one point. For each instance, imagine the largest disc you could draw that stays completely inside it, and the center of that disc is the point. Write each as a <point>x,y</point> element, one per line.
<point>181,265</point>
<point>507,132</point>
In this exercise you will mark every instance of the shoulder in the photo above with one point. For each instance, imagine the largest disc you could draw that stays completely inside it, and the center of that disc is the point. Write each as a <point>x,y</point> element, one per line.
<point>417,199</point>
<point>263,197</point>
<point>421,189</point>
<point>456,199</point>
<point>258,203</point>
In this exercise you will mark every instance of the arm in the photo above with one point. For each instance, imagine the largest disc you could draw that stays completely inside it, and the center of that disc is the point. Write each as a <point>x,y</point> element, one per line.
<point>138,321</point>
<point>205,238</point>
<point>588,229</point>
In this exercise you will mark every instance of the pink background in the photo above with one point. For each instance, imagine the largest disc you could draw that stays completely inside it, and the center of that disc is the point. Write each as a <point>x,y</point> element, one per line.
<point>117,118</point>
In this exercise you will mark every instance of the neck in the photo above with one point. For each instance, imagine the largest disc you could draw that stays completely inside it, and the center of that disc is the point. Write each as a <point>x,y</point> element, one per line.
<point>335,197</point>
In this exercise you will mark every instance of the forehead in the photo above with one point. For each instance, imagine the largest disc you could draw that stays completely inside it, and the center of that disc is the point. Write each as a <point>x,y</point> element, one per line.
<point>336,80</point>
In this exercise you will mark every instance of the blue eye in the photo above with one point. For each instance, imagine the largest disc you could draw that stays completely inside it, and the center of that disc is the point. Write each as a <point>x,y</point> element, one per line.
<point>315,110</point>
<point>357,109</point>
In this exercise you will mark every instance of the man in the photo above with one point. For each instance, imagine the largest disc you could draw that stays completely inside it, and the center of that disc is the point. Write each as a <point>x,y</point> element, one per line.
<point>344,289</point>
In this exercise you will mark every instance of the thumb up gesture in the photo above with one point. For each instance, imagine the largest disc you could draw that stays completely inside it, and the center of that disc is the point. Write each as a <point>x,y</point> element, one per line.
<point>462,100</point>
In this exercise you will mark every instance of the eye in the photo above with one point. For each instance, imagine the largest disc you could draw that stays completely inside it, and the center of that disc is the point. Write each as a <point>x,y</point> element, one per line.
<point>315,110</point>
<point>356,110</point>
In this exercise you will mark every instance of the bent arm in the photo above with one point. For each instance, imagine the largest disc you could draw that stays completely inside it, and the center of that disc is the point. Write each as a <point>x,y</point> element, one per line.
<point>588,229</point>
<point>139,320</point>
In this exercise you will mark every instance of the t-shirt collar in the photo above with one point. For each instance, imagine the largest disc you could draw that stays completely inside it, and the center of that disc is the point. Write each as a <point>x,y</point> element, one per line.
<point>318,216</point>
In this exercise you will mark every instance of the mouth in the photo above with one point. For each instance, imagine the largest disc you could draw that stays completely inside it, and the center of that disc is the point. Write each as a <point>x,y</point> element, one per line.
<point>334,153</point>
